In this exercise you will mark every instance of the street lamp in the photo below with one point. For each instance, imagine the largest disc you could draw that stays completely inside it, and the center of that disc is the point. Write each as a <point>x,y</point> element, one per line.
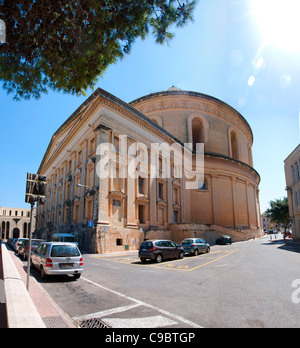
<point>92,189</point>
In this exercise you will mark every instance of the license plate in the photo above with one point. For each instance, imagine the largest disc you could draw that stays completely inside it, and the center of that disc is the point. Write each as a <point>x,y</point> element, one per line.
<point>66,265</point>
<point>144,250</point>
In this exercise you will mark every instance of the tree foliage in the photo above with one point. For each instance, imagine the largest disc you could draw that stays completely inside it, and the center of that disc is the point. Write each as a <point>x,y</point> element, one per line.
<point>66,45</point>
<point>279,211</point>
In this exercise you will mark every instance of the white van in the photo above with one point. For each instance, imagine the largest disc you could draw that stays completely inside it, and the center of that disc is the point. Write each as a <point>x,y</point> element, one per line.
<point>64,237</point>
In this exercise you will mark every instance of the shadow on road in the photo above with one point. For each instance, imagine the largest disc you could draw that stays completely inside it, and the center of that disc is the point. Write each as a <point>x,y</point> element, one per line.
<point>288,245</point>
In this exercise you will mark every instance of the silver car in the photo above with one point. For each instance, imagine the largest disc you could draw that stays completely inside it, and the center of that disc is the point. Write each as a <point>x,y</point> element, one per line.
<point>195,246</point>
<point>58,258</point>
<point>18,243</point>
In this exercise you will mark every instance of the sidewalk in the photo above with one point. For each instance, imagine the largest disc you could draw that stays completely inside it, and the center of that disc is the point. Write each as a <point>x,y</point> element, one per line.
<point>51,314</point>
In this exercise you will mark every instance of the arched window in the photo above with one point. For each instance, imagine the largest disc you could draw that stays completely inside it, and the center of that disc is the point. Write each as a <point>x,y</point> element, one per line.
<point>197,132</point>
<point>234,145</point>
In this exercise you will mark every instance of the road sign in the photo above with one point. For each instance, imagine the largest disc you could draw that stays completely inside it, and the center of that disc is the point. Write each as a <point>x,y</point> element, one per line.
<point>90,223</point>
<point>35,188</point>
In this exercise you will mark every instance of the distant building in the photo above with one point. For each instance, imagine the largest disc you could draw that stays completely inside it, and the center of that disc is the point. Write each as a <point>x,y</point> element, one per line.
<point>108,214</point>
<point>292,178</point>
<point>265,222</point>
<point>15,222</point>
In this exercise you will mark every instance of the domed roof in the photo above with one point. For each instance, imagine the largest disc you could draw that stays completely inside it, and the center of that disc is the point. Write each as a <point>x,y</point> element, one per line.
<point>173,88</point>
<point>177,92</point>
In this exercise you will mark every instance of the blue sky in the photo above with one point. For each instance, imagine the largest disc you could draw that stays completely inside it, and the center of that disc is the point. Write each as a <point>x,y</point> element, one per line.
<point>224,53</point>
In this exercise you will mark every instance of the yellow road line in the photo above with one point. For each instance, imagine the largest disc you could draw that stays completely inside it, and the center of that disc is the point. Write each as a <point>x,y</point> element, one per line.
<point>181,268</point>
<point>171,265</point>
<point>217,259</point>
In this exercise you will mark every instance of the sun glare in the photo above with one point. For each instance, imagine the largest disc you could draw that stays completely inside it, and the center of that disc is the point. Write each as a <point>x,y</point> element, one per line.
<point>279,21</point>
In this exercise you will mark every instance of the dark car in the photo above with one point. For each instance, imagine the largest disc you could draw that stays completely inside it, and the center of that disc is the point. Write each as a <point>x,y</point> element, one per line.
<point>224,240</point>
<point>24,247</point>
<point>159,250</point>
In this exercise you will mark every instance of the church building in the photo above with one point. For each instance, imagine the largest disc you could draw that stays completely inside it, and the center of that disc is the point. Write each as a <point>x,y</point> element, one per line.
<point>119,173</point>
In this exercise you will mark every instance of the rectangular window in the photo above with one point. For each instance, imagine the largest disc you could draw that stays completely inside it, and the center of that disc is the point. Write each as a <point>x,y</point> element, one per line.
<point>141,185</point>
<point>119,241</point>
<point>116,203</point>
<point>160,191</point>
<point>175,217</point>
<point>141,213</point>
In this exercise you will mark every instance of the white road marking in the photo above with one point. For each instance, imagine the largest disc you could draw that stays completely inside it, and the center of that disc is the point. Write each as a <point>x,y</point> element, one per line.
<point>139,323</point>
<point>107,312</point>
<point>172,315</point>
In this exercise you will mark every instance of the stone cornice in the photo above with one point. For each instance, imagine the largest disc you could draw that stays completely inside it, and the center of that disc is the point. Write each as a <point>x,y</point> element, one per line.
<point>101,97</point>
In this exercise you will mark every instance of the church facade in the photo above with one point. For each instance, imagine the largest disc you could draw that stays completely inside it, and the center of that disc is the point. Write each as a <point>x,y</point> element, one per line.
<point>110,187</point>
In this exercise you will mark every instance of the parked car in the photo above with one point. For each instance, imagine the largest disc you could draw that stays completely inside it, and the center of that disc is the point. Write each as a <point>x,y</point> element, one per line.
<point>64,237</point>
<point>288,234</point>
<point>13,243</point>
<point>17,243</point>
<point>9,242</point>
<point>159,250</point>
<point>195,246</point>
<point>224,240</point>
<point>24,247</point>
<point>57,258</point>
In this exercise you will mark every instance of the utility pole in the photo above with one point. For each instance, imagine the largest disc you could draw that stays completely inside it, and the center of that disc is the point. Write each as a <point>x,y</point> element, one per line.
<point>35,192</point>
<point>29,246</point>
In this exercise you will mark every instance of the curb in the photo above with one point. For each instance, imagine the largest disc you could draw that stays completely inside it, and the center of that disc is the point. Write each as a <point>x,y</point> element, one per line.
<point>21,311</point>
<point>47,314</point>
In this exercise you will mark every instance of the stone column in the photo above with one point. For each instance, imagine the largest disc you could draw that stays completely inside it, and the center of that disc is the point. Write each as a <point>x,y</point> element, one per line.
<point>215,197</point>
<point>153,156</point>
<point>103,199</point>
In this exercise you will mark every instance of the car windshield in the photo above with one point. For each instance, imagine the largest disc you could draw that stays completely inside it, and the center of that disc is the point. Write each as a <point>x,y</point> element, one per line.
<point>64,250</point>
<point>188,241</point>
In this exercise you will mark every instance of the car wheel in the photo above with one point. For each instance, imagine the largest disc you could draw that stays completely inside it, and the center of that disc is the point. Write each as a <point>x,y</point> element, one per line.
<point>208,250</point>
<point>43,274</point>
<point>196,252</point>
<point>181,255</point>
<point>76,276</point>
<point>158,258</point>
<point>143,259</point>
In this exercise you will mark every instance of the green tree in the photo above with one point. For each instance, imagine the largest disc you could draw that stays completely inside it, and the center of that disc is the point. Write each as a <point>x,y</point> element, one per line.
<point>65,45</point>
<point>279,212</point>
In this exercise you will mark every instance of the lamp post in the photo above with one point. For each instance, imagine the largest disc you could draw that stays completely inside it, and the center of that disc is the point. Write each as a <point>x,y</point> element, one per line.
<point>93,191</point>
<point>29,246</point>
<point>35,192</point>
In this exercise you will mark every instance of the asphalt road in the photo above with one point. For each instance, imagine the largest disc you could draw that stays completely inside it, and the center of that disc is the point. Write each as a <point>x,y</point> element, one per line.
<point>246,284</point>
